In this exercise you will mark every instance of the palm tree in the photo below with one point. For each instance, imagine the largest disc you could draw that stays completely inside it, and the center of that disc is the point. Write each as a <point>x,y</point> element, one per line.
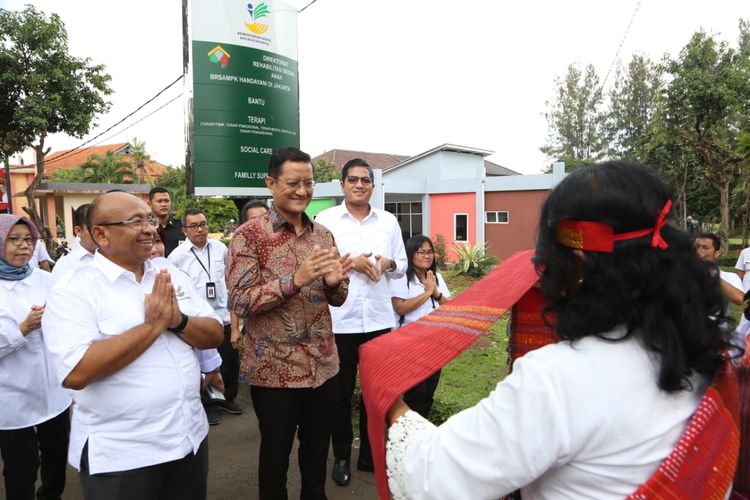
<point>108,169</point>
<point>140,157</point>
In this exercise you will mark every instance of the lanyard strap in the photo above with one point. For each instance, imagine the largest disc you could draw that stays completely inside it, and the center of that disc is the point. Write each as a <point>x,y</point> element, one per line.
<point>208,249</point>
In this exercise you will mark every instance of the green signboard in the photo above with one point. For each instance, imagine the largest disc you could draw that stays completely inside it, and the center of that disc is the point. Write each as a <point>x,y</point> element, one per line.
<point>244,93</point>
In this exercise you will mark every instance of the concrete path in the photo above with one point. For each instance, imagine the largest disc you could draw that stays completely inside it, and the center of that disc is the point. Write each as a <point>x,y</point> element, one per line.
<point>233,464</point>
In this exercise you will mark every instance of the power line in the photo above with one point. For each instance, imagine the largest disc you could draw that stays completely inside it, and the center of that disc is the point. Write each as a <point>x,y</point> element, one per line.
<point>139,120</point>
<point>306,6</point>
<point>617,53</point>
<point>70,152</point>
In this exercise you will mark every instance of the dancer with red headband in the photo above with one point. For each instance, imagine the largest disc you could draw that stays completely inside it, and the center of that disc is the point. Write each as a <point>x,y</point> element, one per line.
<point>624,405</point>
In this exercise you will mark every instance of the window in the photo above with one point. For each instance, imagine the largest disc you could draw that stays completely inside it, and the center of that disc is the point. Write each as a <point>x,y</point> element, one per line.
<point>409,217</point>
<point>497,217</point>
<point>460,227</point>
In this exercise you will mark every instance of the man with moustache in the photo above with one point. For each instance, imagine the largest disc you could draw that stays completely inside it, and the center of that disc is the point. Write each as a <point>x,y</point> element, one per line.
<point>373,237</point>
<point>123,338</point>
<point>282,274</point>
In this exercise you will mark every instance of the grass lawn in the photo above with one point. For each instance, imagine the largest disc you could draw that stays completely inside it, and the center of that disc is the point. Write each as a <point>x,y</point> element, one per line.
<point>475,373</point>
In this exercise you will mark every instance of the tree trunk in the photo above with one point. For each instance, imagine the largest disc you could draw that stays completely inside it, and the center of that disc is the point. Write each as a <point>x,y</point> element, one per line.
<point>30,193</point>
<point>724,210</point>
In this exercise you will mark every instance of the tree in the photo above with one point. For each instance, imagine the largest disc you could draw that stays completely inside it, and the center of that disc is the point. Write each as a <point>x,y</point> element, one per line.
<point>139,156</point>
<point>52,91</point>
<point>574,118</point>
<point>108,169</point>
<point>324,171</point>
<point>632,104</point>
<point>706,107</point>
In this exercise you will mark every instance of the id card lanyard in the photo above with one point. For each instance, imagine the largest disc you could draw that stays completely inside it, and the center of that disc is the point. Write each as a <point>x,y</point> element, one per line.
<point>210,285</point>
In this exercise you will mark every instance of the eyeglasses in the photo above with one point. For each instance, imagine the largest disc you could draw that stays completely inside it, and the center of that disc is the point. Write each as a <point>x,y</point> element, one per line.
<point>295,185</point>
<point>353,180</point>
<point>135,223</point>
<point>17,240</point>
<point>425,253</point>
<point>201,225</point>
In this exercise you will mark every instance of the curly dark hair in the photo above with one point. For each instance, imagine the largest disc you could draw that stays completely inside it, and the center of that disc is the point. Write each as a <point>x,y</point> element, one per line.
<point>669,299</point>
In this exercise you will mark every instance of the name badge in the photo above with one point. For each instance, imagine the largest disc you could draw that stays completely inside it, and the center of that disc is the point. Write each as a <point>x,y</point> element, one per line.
<point>210,290</point>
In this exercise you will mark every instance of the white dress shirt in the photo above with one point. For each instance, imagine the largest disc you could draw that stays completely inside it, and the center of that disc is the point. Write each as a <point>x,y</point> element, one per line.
<point>150,411</point>
<point>40,254</point>
<point>29,392</point>
<point>401,289</point>
<point>368,306</point>
<point>67,264</point>
<point>204,266</point>
<point>571,421</point>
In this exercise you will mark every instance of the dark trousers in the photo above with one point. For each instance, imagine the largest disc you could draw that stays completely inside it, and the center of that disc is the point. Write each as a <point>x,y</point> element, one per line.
<point>21,449</point>
<point>342,434</point>
<point>421,396</point>
<point>230,365</point>
<point>282,413</point>
<point>182,479</point>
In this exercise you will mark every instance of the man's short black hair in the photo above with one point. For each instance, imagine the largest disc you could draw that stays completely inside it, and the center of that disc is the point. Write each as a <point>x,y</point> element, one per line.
<point>356,162</point>
<point>281,155</point>
<point>79,216</point>
<point>254,203</point>
<point>158,189</point>
<point>191,211</point>
<point>712,237</point>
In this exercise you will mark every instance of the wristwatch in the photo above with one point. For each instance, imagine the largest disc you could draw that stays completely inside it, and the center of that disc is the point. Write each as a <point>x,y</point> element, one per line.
<point>180,329</point>
<point>392,267</point>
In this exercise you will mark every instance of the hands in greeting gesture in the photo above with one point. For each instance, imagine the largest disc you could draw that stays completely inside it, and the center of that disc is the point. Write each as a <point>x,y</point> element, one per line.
<point>160,306</point>
<point>430,284</point>
<point>321,262</point>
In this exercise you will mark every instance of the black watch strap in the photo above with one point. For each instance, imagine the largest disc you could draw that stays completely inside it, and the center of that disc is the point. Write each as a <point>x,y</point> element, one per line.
<point>180,329</point>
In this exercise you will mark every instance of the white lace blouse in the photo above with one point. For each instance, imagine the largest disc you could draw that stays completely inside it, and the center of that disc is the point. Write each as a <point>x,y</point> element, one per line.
<point>581,421</point>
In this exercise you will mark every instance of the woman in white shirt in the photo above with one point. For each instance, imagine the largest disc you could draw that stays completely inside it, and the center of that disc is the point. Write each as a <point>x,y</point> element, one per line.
<point>415,294</point>
<point>34,405</point>
<point>595,414</point>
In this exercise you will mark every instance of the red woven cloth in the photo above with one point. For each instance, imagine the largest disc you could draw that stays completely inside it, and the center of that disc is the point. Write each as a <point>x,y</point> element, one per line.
<point>391,364</point>
<point>703,462</point>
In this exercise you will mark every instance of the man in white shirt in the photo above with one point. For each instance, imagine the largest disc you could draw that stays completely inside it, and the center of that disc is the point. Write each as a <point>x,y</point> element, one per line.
<point>122,335</point>
<point>204,261</point>
<point>373,238</point>
<point>708,246</point>
<point>40,259</point>
<point>83,248</point>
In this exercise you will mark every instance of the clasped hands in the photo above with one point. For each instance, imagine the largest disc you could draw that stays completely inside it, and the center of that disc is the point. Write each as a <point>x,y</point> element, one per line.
<point>161,309</point>
<point>324,263</point>
<point>373,270</point>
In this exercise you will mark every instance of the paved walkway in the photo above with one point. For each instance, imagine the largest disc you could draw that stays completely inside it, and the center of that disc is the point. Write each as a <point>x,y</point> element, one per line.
<point>233,464</point>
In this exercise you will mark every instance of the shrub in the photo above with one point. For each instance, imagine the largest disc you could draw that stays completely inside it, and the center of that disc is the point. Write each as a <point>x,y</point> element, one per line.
<point>474,260</point>
<point>441,253</point>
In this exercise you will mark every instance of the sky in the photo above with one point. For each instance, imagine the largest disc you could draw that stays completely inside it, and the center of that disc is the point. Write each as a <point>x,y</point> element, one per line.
<point>393,77</point>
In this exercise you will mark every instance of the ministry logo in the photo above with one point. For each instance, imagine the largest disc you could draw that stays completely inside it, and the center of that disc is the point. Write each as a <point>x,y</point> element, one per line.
<point>257,12</point>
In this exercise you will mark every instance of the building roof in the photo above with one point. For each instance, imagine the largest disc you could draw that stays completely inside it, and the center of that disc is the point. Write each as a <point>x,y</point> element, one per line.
<point>380,161</point>
<point>444,147</point>
<point>89,187</point>
<point>67,159</point>
<point>493,169</point>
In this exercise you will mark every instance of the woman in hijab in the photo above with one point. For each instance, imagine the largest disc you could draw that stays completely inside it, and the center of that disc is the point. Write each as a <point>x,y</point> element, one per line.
<point>34,414</point>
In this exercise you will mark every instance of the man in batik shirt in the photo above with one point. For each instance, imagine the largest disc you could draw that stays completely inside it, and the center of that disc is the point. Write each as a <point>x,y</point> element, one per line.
<point>283,272</point>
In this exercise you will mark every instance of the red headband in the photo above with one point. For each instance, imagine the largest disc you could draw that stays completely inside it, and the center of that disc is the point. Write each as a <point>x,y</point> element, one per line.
<point>600,237</point>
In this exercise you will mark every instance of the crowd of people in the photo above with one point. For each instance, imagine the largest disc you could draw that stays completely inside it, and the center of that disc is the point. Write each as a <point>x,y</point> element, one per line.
<point>144,329</point>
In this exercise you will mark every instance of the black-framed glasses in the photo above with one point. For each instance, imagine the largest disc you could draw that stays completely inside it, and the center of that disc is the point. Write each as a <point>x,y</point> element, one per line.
<point>17,240</point>
<point>425,253</point>
<point>135,223</point>
<point>201,225</point>
<point>308,184</point>
<point>353,180</point>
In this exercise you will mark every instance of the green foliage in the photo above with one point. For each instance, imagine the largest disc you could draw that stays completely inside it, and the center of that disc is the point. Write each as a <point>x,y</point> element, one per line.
<point>575,118</point>
<point>108,169</point>
<point>219,211</point>
<point>43,89</point>
<point>139,157</point>
<point>324,171</point>
<point>474,260</point>
<point>441,253</point>
<point>632,105</point>
<point>66,175</point>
